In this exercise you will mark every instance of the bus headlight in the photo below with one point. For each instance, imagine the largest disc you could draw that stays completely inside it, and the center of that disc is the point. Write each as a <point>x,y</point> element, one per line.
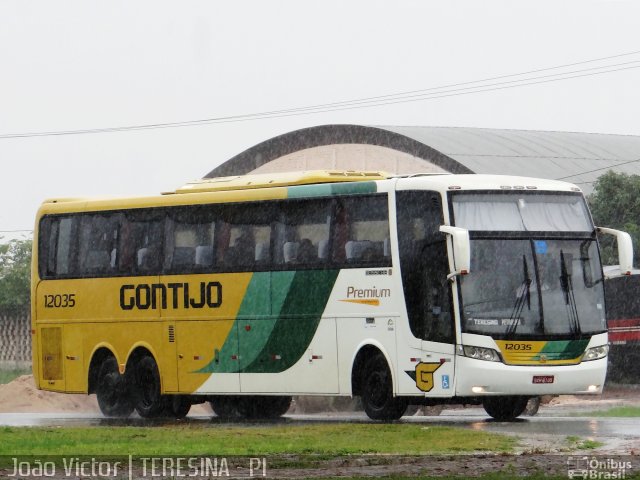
<point>595,353</point>
<point>481,353</point>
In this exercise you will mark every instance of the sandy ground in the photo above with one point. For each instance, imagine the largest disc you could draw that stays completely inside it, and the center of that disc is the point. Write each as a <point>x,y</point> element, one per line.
<point>22,396</point>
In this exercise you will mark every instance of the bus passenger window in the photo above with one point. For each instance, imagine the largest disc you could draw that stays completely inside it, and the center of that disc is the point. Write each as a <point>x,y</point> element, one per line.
<point>302,233</point>
<point>362,231</point>
<point>189,239</point>
<point>57,246</point>
<point>242,247</point>
<point>98,240</point>
<point>244,240</point>
<point>141,243</point>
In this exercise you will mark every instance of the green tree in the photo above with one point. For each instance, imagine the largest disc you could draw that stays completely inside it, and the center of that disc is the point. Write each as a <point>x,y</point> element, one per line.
<point>615,203</point>
<point>15,276</point>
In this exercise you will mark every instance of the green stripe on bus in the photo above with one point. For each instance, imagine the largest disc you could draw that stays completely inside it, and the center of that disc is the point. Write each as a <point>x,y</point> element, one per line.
<point>563,349</point>
<point>277,319</point>
<point>328,189</point>
<point>256,319</point>
<point>297,321</point>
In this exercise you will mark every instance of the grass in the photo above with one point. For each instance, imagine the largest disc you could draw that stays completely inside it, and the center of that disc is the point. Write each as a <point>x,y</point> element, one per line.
<point>11,374</point>
<point>578,443</point>
<point>499,475</point>
<point>215,439</point>
<point>612,412</point>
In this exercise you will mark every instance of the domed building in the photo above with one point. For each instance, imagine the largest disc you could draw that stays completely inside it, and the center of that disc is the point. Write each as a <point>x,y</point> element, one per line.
<point>578,158</point>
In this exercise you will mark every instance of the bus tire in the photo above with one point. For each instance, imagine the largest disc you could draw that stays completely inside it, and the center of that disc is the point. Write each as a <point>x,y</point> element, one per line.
<point>263,406</point>
<point>274,407</point>
<point>249,407</point>
<point>377,391</point>
<point>506,408</point>
<point>225,406</point>
<point>111,391</point>
<point>178,406</point>
<point>149,402</point>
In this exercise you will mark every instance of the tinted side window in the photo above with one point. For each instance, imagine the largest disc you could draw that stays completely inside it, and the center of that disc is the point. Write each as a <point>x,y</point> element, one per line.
<point>141,243</point>
<point>302,237</point>
<point>57,246</point>
<point>97,244</point>
<point>361,231</point>
<point>244,237</point>
<point>424,265</point>
<point>190,239</point>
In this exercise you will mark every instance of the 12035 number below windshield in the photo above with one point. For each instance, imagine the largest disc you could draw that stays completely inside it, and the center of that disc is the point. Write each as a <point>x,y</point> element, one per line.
<point>532,287</point>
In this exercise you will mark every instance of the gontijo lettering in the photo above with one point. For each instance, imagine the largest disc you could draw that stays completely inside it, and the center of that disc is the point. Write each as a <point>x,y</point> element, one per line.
<point>170,295</point>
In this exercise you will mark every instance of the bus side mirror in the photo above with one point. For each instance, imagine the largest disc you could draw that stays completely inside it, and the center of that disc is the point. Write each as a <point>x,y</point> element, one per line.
<point>461,249</point>
<point>625,248</point>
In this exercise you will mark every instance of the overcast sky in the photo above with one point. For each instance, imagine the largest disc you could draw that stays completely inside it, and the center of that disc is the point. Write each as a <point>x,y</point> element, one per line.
<point>70,65</point>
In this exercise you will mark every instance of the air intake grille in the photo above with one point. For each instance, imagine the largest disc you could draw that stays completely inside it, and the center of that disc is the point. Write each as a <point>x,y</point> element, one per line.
<point>172,334</point>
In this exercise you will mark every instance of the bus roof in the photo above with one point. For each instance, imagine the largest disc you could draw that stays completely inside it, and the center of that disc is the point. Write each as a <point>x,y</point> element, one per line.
<point>286,179</point>
<point>273,186</point>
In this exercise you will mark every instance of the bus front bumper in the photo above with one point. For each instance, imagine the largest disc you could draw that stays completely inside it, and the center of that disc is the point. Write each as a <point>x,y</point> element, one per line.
<point>479,378</point>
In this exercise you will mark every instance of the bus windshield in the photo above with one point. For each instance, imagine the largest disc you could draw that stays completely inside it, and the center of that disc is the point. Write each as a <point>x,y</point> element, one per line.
<point>533,287</point>
<point>522,212</point>
<point>522,282</point>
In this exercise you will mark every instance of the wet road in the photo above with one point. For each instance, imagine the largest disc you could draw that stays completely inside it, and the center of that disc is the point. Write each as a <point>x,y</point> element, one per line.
<point>540,433</point>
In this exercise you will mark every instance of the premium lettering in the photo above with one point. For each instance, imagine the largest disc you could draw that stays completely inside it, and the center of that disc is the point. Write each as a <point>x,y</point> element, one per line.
<point>374,292</point>
<point>171,295</point>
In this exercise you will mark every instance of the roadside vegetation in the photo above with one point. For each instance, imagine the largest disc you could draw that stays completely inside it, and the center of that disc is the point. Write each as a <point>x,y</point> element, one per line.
<point>578,443</point>
<point>219,439</point>
<point>10,374</point>
<point>612,412</point>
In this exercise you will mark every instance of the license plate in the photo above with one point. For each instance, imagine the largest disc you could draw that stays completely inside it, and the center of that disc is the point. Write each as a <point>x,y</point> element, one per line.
<point>543,379</point>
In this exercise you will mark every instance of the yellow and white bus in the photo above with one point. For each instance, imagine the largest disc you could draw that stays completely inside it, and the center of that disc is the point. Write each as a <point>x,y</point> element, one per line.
<point>244,291</point>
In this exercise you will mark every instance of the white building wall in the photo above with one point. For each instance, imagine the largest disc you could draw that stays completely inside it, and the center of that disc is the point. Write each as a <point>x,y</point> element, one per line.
<point>350,157</point>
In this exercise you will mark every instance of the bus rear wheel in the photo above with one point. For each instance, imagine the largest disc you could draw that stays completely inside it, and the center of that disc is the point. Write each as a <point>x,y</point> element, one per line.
<point>177,406</point>
<point>275,407</point>
<point>505,409</point>
<point>263,406</point>
<point>225,406</point>
<point>377,391</point>
<point>111,390</point>
<point>149,403</point>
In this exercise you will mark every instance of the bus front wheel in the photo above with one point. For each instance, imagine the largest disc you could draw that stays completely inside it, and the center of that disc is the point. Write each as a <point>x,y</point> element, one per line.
<point>377,391</point>
<point>149,402</point>
<point>505,409</point>
<point>111,390</point>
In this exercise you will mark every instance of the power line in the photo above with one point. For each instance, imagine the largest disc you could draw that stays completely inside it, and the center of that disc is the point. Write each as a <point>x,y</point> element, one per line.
<point>377,101</point>
<point>494,78</point>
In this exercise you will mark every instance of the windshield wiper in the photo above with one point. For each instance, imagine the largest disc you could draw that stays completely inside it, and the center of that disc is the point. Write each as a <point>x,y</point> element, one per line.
<point>523,295</point>
<point>569,298</point>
